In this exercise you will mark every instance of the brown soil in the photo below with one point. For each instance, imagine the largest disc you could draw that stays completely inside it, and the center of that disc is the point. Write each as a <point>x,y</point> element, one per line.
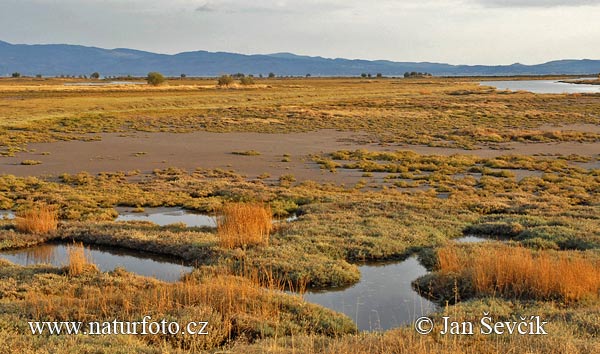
<point>149,151</point>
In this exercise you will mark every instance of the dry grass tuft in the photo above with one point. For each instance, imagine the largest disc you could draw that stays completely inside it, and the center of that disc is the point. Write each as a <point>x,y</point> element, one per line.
<point>522,273</point>
<point>244,224</point>
<point>78,261</point>
<point>38,220</point>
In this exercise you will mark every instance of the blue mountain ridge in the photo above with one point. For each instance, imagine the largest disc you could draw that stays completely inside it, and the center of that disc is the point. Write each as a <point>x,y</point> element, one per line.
<point>65,59</point>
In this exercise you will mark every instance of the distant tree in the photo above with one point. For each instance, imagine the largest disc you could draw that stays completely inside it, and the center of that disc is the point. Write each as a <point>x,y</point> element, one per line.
<point>271,75</point>
<point>15,74</point>
<point>225,80</point>
<point>183,76</point>
<point>416,74</point>
<point>363,75</point>
<point>38,76</point>
<point>247,80</point>
<point>260,76</point>
<point>369,75</point>
<point>95,75</point>
<point>308,75</point>
<point>379,75</point>
<point>155,78</point>
<point>238,75</point>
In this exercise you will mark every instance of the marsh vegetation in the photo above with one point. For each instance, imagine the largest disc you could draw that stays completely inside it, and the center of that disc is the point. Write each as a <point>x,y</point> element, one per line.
<point>438,159</point>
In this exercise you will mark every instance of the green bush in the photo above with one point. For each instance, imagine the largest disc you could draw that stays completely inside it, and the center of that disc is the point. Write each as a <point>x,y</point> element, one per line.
<point>155,78</point>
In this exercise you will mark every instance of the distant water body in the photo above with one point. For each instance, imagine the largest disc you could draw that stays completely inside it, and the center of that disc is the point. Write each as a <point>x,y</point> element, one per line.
<point>542,86</point>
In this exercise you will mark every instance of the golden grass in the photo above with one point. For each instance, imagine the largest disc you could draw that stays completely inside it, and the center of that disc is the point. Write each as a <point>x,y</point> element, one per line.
<point>78,261</point>
<point>244,224</point>
<point>38,220</point>
<point>234,306</point>
<point>391,110</point>
<point>522,273</point>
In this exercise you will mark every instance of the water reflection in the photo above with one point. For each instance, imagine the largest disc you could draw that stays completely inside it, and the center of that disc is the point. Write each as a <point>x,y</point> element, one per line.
<point>383,299</point>
<point>106,258</point>
<point>167,216</point>
<point>7,215</point>
<point>471,239</point>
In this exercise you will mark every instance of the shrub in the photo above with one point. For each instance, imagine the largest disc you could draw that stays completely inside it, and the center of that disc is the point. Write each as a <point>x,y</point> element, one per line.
<point>155,78</point>
<point>95,75</point>
<point>225,80</point>
<point>246,80</point>
<point>16,75</point>
<point>244,224</point>
<point>38,220</point>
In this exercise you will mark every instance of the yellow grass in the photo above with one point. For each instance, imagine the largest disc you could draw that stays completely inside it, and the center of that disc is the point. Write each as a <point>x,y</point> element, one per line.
<point>78,262</point>
<point>523,273</point>
<point>38,220</point>
<point>244,224</point>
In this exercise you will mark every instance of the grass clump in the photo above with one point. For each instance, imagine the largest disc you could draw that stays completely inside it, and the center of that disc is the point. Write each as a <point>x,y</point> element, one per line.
<point>247,153</point>
<point>78,261</point>
<point>38,220</point>
<point>520,273</point>
<point>244,224</point>
<point>31,162</point>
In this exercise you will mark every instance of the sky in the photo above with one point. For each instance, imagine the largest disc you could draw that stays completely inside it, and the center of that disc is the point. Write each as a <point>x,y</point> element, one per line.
<point>452,31</point>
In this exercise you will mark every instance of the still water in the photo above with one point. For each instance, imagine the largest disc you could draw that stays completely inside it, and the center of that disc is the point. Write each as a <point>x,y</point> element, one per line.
<point>167,216</point>
<point>106,258</point>
<point>542,86</point>
<point>382,299</point>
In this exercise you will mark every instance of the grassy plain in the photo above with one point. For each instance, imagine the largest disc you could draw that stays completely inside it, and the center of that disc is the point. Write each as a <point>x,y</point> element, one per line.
<point>432,159</point>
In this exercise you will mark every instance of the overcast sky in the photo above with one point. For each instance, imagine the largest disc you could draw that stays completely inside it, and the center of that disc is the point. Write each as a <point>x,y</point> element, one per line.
<point>452,31</point>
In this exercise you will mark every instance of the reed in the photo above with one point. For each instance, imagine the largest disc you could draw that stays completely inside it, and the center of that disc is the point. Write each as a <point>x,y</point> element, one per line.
<point>516,272</point>
<point>78,261</point>
<point>41,219</point>
<point>244,224</point>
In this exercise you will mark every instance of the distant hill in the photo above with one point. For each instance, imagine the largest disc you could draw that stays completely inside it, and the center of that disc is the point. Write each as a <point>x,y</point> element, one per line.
<point>62,59</point>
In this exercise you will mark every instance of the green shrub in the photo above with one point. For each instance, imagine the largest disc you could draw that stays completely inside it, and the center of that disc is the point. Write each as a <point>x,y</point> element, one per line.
<point>155,78</point>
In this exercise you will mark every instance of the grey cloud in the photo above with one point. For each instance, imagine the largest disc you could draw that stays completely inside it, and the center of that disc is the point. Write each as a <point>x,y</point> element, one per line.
<point>537,3</point>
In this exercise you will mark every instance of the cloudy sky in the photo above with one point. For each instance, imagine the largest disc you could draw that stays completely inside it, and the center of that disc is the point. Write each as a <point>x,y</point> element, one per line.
<point>452,31</point>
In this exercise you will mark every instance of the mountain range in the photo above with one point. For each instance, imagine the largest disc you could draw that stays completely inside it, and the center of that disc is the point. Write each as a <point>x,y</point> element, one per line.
<point>63,59</point>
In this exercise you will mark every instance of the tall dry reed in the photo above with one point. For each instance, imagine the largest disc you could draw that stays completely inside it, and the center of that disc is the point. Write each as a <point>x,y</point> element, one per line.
<point>244,224</point>
<point>518,272</point>
<point>40,219</point>
<point>78,261</point>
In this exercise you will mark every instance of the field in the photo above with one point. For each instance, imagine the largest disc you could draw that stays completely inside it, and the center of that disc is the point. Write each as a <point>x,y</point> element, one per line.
<point>375,170</point>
